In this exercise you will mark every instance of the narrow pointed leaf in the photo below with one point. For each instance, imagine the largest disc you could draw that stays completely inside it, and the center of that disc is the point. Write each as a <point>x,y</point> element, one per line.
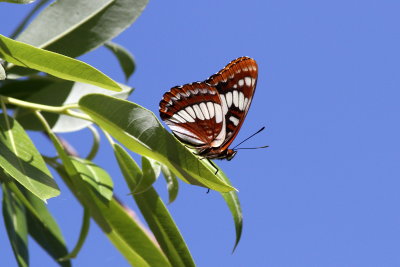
<point>172,183</point>
<point>232,200</point>
<point>140,131</point>
<point>18,1</point>
<point>97,20</point>
<point>151,171</point>
<point>15,222</point>
<point>124,232</point>
<point>2,73</point>
<point>157,215</point>
<point>95,176</point>
<point>128,166</point>
<point>61,66</point>
<point>59,94</point>
<point>23,89</point>
<point>20,159</point>
<point>74,181</point>
<point>124,57</point>
<point>46,231</point>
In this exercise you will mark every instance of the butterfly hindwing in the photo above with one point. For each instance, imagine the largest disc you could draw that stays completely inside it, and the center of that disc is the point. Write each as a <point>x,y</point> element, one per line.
<point>194,114</point>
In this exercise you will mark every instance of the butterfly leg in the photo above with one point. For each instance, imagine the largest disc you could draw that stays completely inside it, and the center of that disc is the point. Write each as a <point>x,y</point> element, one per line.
<point>212,163</point>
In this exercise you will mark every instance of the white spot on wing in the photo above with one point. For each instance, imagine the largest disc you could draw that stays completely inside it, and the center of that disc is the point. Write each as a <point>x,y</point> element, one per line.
<point>189,139</point>
<point>236,98</point>
<point>235,86</point>
<point>223,102</point>
<point>218,113</point>
<point>247,81</point>
<point>204,109</point>
<point>210,107</point>
<point>234,120</point>
<point>253,81</point>
<point>181,130</point>
<point>228,97</point>
<point>241,101</point>
<point>241,82</point>
<point>190,111</point>
<point>185,115</point>
<point>246,100</point>
<point>176,118</point>
<point>198,112</point>
<point>220,138</point>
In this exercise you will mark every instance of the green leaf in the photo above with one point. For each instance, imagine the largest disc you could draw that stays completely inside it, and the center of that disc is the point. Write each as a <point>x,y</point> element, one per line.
<point>130,238</point>
<point>28,17</point>
<point>172,183</point>
<point>59,94</point>
<point>155,212</point>
<point>23,89</point>
<point>20,159</point>
<point>25,55</point>
<point>73,179</point>
<point>97,22</point>
<point>18,1</point>
<point>139,130</point>
<point>151,171</point>
<point>124,57</point>
<point>232,200</point>
<point>124,232</point>
<point>3,75</point>
<point>15,222</point>
<point>95,176</point>
<point>46,231</point>
<point>128,166</point>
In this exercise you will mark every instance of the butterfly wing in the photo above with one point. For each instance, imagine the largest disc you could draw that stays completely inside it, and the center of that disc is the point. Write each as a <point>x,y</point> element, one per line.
<point>236,84</point>
<point>195,115</point>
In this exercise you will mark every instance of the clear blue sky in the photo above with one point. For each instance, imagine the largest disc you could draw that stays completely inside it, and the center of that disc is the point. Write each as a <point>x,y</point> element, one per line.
<point>326,192</point>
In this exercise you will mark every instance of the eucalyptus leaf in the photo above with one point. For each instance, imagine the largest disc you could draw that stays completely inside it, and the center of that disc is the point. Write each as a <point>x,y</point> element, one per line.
<point>124,57</point>
<point>23,89</point>
<point>232,200</point>
<point>151,170</point>
<point>61,66</point>
<point>59,94</point>
<point>95,176</point>
<point>140,131</point>
<point>172,183</point>
<point>127,235</point>
<point>18,1</point>
<point>46,231</point>
<point>15,222</point>
<point>20,159</point>
<point>3,75</point>
<point>154,210</point>
<point>75,33</point>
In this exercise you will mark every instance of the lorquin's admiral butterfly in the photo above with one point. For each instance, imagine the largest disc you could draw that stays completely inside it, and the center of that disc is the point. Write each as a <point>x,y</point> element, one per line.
<point>208,115</point>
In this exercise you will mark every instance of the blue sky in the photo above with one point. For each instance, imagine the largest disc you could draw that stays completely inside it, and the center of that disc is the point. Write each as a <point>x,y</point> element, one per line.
<point>326,192</point>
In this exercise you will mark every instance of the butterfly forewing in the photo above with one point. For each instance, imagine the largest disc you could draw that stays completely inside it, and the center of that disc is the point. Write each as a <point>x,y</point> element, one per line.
<point>236,84</point>
<point>194,114</point>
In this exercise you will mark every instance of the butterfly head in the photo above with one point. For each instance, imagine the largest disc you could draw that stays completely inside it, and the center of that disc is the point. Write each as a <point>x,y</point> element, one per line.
<point>230,153</point>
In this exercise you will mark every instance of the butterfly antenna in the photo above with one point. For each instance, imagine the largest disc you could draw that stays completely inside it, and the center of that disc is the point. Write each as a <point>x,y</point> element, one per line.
<point>251,147</point>
<point>249,138</point>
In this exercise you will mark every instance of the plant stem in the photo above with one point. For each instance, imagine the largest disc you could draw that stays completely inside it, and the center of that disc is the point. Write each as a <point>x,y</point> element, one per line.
<point>60,110</point>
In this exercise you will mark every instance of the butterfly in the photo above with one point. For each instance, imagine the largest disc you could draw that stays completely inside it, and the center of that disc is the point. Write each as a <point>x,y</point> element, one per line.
<point>208,115</point>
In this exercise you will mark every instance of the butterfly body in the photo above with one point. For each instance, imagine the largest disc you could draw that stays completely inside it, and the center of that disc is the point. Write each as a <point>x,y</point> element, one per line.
<point>208,115</point>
